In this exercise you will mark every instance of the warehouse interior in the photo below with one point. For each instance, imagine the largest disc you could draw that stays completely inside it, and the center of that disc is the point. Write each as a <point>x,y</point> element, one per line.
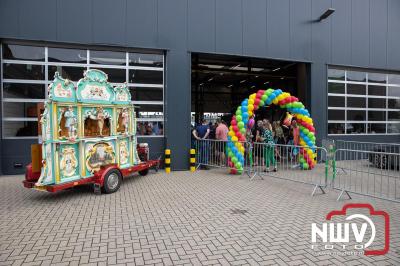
<point>219,83</point>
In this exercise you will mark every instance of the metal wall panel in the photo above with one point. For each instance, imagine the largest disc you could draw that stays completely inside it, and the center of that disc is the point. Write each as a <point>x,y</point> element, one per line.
<point>9,23</point>
<point>378,34</point>
<point>229,27</point>
<point>360,33</point>
<point>38,20</point>
<point>141,23</point>
<point>300,29</point>
<point>172,24</point>
<point>341,32</point>
<point>393,41</point>
<point>74,21</point>
<point>255,27</point>
<point>321,32</point>
<point>201,25</point>
<point>318,105</point>
<point>278,29</point>
<point>354,35</point>
<point>109,21</point>
<point>15,151</point>
<point>177,108</point>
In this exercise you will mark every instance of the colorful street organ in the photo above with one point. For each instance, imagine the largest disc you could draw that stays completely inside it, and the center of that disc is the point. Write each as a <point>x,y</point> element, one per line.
<point>88,136</point>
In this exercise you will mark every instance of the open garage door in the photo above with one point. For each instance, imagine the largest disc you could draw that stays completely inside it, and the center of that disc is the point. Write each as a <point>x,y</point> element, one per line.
<point>220,82</point>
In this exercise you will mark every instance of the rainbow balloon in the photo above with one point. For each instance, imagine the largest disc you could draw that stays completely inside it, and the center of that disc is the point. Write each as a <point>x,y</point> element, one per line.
<point>237,129</point>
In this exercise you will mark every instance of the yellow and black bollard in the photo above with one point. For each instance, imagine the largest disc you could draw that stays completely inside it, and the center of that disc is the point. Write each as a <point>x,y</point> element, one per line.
<point>192,160</point>
<point>168,161</point>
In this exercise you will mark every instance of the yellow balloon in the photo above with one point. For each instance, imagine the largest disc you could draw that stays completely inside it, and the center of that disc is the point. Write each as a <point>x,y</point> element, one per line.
<point>250,107</point>
<point>251,101</point>
<point>275,101</point>
<point>234,138</point>
<point>252,96</point>
<point>242,149</point>
<point>231,133</point>
<point>250,113</point>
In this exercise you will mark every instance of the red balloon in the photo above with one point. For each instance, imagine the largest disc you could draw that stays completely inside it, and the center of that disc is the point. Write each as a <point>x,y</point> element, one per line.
<point>257,101</point>
<point>235,128</point>
<point>242,139</point>
<point>233,171</point>
<point>233,122</point>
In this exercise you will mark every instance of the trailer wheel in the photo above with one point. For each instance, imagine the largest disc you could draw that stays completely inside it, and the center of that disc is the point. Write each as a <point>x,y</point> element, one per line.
<point>112,181</point>
<point>144,172</point>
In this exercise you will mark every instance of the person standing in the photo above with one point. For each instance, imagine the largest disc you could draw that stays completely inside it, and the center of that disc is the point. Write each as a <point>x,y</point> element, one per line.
<point>295,139</point>
<point>221,135</point>
<point>201,133</point>
<point>269,151</point>
<point>279,138</point>
<point>258,154</point>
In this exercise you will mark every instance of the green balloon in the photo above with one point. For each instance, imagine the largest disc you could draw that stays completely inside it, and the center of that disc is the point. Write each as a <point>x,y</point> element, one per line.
<point>238,118</point>
<point>305,166</point>
<point>261,103</point>
<point>234,160</point>
<point>269,91</point>
<point>240,124</point>
<point>243,130</point>
<point>238,165</point>
<point>289,105</point>
<point>264,97</point>
<point>310,135</point>
<point>238,112</point>
<point>230,154</point>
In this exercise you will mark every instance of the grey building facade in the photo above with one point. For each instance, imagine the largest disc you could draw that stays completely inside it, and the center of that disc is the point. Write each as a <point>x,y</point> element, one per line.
<point>360,34</point>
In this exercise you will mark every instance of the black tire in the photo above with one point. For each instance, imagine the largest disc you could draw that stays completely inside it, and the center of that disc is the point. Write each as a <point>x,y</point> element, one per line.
<point>112,181</point>
<point>144,172</point>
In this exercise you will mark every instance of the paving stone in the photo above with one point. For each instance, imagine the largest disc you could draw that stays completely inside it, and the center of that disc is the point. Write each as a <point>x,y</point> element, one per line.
<point>181,218</point>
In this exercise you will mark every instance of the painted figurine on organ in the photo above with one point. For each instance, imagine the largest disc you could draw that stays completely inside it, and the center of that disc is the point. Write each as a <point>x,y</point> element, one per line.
<point>100,120</point>
<point>70,122</point>
<point>125,120</point>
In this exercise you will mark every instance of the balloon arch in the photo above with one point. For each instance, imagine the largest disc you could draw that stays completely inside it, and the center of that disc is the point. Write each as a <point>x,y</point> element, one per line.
<point>237,129</point>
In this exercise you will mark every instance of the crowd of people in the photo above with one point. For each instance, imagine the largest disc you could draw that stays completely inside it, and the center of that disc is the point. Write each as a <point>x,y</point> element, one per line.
<point>261,136</point>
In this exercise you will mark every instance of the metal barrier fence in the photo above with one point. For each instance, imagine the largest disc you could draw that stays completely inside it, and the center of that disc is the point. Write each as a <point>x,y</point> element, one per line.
<point>367,146</point>
<point>258,156</point>
<point>371,169</point>
<point>370,172</point>
<point>284,161</point>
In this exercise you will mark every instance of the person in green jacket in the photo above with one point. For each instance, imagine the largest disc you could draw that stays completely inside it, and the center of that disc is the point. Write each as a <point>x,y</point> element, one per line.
<point>269,150</point>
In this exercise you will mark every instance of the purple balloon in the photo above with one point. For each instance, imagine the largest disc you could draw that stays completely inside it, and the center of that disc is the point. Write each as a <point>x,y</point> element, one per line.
<point>251,123</point>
